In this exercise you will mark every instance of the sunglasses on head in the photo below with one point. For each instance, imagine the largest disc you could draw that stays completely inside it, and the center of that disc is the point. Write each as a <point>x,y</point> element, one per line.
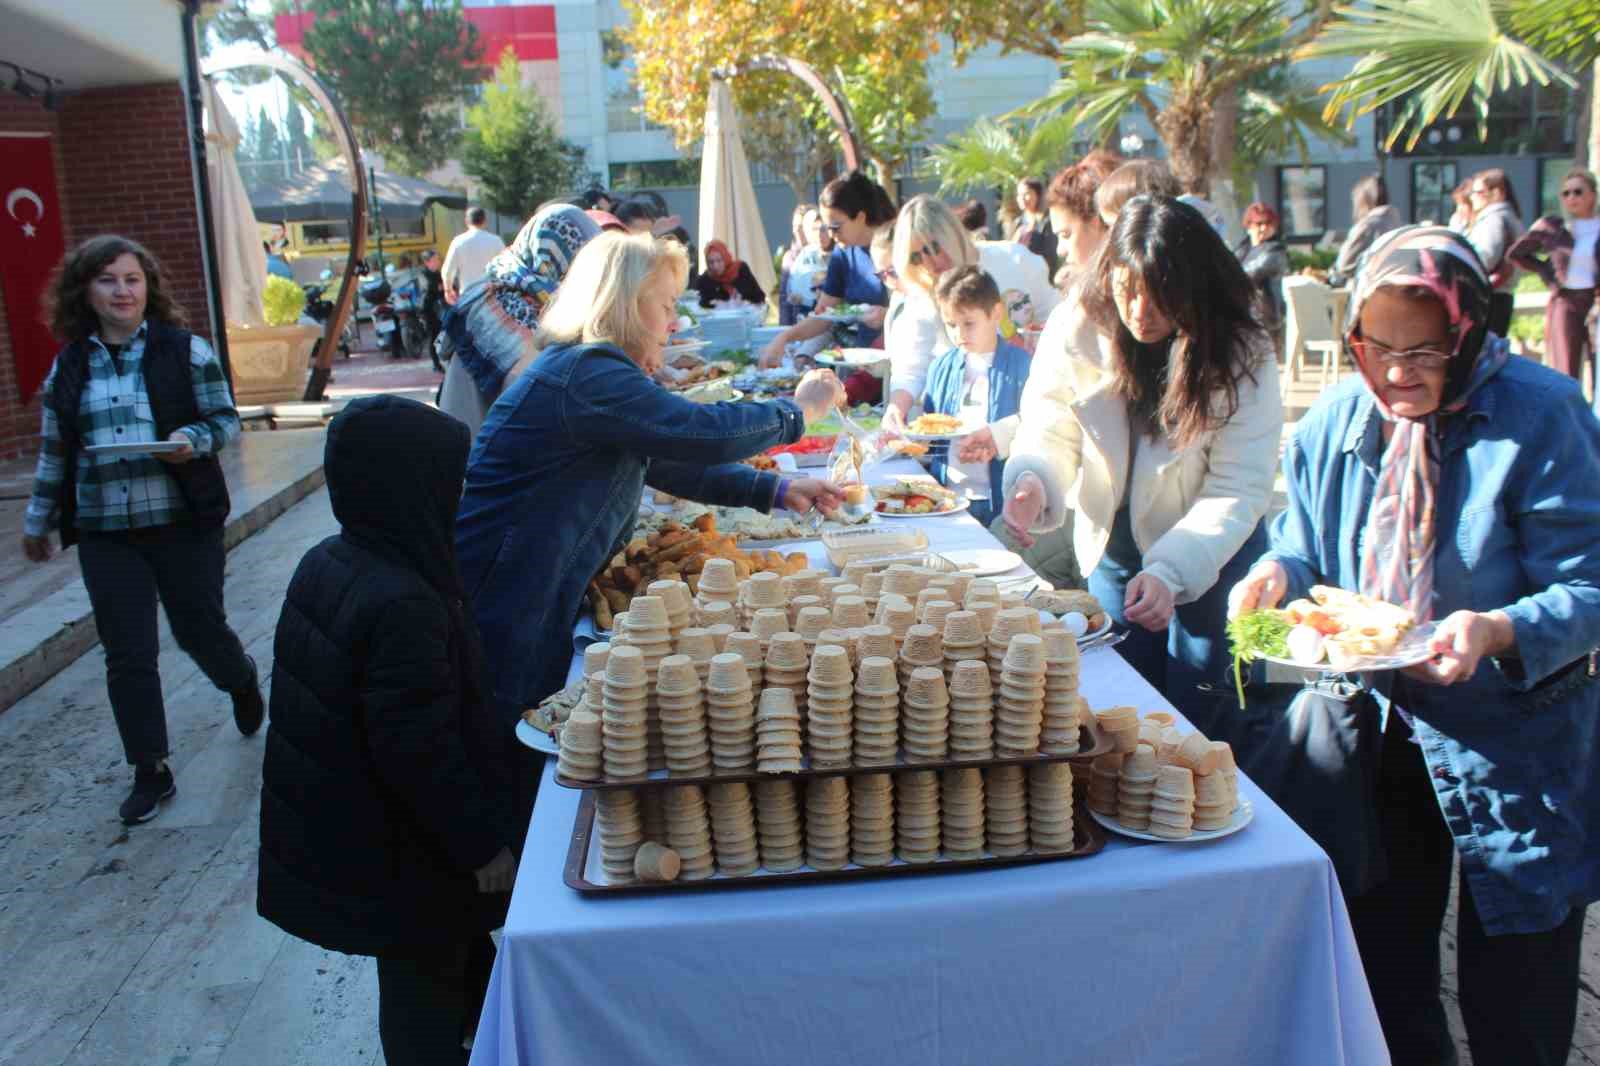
<point>929,250</point>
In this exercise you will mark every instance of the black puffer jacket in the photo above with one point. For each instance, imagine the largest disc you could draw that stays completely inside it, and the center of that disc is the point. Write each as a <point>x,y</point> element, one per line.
<point>387,776</point>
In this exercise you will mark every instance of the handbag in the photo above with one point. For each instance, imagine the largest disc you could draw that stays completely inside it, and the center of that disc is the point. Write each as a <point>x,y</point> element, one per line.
<point>1314,748</point>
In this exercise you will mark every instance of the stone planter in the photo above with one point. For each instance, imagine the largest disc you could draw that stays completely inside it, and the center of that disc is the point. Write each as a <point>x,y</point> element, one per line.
<point>269,362</point>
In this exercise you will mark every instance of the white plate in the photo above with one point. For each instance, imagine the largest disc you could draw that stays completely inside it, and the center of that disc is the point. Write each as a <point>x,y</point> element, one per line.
<point>535,739</point>
<point>961,505</point>
<point>1241,817</point>
<point>984,562</point>
<point>1096,634</point>
<point>1413,649</point>
<point>681,347</point>
<point>152,447</point>
<point>929,438</point>
<point>851,356</point>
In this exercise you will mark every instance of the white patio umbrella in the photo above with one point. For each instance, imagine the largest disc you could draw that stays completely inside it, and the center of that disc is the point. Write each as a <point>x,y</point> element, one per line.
<point>240,260</point>
<point>728,208</point>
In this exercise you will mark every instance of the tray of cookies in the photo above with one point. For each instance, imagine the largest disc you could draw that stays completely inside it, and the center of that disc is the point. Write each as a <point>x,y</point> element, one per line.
<point>833,828</point>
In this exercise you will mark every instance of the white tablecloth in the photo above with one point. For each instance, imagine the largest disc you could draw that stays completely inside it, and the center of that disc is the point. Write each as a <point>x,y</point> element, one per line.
<point>1232,951</point>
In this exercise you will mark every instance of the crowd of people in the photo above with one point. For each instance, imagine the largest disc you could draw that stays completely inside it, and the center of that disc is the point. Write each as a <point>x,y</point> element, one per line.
<point>1126,385</point>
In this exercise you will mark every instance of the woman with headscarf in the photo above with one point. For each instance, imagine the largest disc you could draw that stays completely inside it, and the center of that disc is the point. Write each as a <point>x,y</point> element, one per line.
<point>1464,485</point>
<point>726,278</point>
<point>491,327</point>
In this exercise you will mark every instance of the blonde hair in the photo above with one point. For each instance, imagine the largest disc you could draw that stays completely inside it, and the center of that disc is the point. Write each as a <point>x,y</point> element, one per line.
<point>923,219</point>
<point>598,302</point>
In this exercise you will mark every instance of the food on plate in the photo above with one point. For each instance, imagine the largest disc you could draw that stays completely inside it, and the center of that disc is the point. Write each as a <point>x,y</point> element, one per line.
<point>1062,602</point>
<point>935,424</point>
<point>1332,625</point>
<point>914,495</point>
<point>674,550</point>
<point>549,716</point>
<point>806,446</point>
<point>911,449</point>
<point>688,369</point>
<point>762,462</point>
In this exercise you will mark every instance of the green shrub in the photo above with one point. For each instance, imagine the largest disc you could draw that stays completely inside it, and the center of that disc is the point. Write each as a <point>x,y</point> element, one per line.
<point>1321,258</point>
<point>282,302</point>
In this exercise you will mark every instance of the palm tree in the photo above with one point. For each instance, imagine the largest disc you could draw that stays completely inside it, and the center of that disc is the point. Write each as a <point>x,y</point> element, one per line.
<point>990,154</point>
<point>1186,64</point>
<point>1434,56</point>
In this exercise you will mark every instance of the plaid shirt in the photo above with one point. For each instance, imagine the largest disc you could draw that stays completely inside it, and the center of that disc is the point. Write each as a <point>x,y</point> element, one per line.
<point>132,491</point>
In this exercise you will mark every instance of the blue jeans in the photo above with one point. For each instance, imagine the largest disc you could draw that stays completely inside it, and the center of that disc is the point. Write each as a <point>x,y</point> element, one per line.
<point>1189,661</point>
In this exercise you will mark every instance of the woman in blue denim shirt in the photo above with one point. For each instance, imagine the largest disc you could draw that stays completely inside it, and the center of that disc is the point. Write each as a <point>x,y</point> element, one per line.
<point>556,474</point>
<point>1464,484</point>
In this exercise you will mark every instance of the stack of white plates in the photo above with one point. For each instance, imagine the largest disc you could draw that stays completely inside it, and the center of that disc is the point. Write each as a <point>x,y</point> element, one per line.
<point>725,329</point>
<point>761,335</point>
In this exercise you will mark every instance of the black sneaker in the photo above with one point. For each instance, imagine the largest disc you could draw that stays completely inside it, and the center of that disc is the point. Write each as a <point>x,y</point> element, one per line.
<point>248,710</point>
<point>150,787</point>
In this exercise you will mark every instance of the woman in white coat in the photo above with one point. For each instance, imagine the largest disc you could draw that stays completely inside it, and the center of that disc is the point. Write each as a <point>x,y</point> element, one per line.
<point>1159,426</point>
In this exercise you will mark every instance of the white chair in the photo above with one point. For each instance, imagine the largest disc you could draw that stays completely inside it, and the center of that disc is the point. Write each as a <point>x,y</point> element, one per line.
<point>1310,328</point>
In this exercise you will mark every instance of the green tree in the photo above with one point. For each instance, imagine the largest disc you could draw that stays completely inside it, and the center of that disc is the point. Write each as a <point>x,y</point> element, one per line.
<point>891,105</point>
<point>268,146</point>
<point>401,68</point>
<point>511,146</point>
<point>996,155</point>
<point>298,136</point>
<point>795,150</point>
<point>1434,57</point>
<point>1186,65</point>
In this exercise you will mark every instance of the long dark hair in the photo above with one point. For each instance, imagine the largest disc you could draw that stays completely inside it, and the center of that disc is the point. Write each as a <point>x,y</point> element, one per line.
<point>1189,386</point>
<point>66,297</point>
<point>1369,193</point>
<point>856,193</point>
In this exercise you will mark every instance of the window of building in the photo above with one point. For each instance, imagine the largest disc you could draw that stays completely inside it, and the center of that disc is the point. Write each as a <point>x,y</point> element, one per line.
<point>655,174</point>
<point>1527,120</point>
<point>1552,175</point>
<point>1303,202</point>
<point>1431,185</point>
<point>624,104</point>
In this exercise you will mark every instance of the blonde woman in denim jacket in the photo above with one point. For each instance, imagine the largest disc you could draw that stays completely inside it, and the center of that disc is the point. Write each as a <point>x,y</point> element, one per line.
<point>1464,484</point>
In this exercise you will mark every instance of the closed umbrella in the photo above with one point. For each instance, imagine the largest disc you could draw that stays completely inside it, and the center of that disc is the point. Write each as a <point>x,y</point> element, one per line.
<point>240,259</point>
<point>728,208</point>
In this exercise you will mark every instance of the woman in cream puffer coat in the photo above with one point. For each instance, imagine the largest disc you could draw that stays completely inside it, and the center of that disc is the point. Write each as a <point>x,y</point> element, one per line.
<point>1157,420</point>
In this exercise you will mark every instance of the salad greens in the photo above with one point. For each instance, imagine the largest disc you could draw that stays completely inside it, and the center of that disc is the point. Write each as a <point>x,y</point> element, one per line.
<point>1254,634</point>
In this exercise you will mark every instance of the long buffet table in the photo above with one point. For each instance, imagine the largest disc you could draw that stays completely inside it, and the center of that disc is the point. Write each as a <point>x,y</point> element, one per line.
<point>1231,951</point>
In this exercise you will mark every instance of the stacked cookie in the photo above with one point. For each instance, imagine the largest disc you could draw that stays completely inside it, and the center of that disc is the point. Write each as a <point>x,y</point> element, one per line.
<point>871,820</point>
<point>917,817</point>
<point>872,588</point>
<point>763,591</point>
<point>935,613</point>
<point>689,831</point>
<point>625,698</point>
<point>719,583</point>
<point>787,659</point>
<point>850,612</point>
<point>922,646</point>
<point>683,717</point>
<point>594,676</point>
<point>777,733</point>
<point>696,642</point>
<point>1172,803</point>
<point>898,614</point>
<point>961,813</point>
<point>800,603</point>
<point>621,833</point>
<point>1019,710</point>
<point>1121,725</point>
<point>778,825</point>
<point>830,699</point>
<point>1104,774</point>
<point>1213,802</point>
<point>875,640</point>
<point>730,713</point>
<point>733,829</point>
<point>964,641</point>
<point>1063,707</point>
<point>1008,624</point>
<point>716,614</point>
<point>827,823</point>
<point>809,623</point>
<point>582,748</point>
<point>1050,806</point>
<point>971,711</point>
<point>747,646</point>
<point>679,602</point>
<point>925,716</point>
<point>875,712</point>
<point>1005,808</point>
<point>1136,785</point>
<point>649,629</point>
<point>767,623</point>
<point>806,582</point>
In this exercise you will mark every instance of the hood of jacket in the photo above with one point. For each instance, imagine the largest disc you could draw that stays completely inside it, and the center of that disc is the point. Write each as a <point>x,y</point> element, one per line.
<point>395,469</point>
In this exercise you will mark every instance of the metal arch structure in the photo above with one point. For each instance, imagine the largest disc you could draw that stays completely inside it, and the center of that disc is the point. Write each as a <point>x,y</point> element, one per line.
<point>301,75</point>
<point>838,110</point>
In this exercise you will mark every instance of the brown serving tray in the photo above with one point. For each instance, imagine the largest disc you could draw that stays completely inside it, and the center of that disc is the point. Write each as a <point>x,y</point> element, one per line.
<point>1092,741</point>
<point>1088,839</point>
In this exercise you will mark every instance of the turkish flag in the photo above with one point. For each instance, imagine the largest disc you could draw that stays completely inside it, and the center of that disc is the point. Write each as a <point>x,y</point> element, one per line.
<point>31,244</point>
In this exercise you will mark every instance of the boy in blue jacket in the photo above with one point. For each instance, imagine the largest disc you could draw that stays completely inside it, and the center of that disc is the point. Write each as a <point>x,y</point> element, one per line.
<point>980,381</point>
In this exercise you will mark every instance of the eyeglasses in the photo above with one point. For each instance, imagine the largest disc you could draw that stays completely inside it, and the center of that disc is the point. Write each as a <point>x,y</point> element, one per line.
<point>1575,191</point>
<point>1414,358</point>
<point>928,251</point>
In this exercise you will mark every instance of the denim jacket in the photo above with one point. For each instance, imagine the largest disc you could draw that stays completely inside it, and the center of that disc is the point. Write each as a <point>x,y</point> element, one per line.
<point>553,488</point>
<point>1512,750</point>
<point>947,379</point>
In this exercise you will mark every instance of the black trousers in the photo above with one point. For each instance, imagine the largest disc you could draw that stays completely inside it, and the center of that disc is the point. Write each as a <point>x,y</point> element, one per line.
<point>125,573</point>
<point>429,1001</point>
<point>1519,993</point>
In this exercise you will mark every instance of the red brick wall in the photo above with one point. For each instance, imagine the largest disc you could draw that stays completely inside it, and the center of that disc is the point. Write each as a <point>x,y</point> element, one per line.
<point>123,165</point>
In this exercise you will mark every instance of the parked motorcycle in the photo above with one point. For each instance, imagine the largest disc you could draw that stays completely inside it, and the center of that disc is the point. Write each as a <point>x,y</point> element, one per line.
<point>407,304</point>
<point>319,308</point>
<point>384,320</point>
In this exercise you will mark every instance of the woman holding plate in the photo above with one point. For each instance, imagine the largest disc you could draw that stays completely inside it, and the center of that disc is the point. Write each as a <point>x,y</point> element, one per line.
<point>556,474</point>
<point>1157,424</point>
<point>1462,483</point>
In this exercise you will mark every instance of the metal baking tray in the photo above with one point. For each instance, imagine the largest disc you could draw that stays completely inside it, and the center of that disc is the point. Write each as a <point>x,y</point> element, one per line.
<point>581,865</point>
<point>1092,741</point>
